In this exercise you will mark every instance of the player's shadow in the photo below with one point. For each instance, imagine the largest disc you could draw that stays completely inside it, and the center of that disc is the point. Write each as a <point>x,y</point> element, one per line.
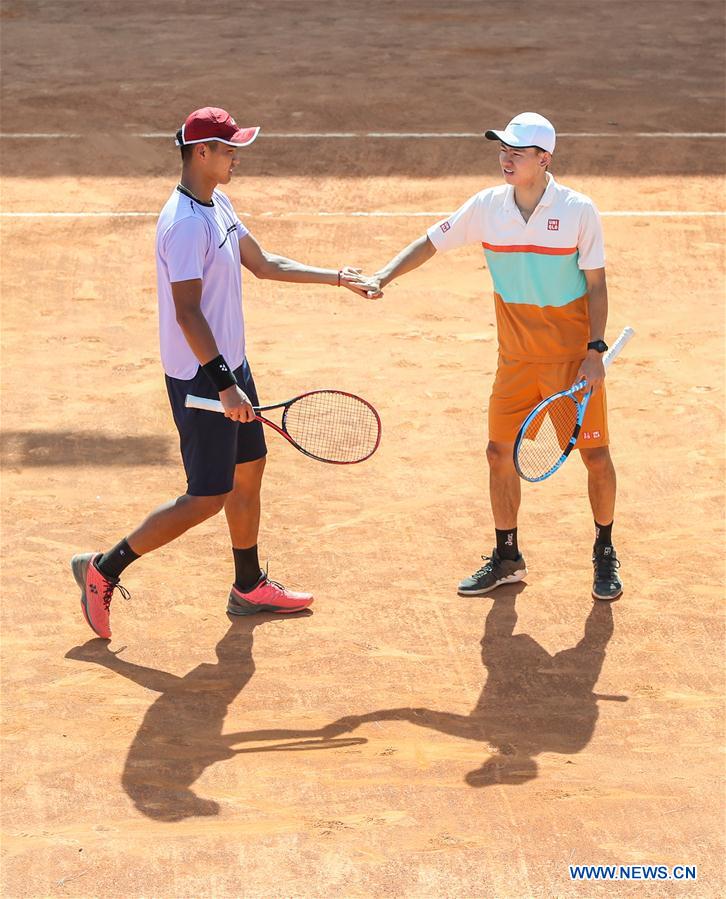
<point>532,701</point>
<point>181,734</point>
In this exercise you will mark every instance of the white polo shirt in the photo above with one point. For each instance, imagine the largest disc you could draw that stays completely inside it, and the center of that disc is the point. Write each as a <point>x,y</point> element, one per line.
<point>198,241</point>
<point>540,292</point>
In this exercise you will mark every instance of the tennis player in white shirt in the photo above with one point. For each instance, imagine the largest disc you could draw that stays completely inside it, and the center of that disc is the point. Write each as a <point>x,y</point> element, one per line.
<point>201,246</point>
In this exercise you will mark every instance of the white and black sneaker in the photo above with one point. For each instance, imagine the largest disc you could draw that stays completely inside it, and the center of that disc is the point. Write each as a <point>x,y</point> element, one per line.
<point>606,583</point>
<point>493,573</point>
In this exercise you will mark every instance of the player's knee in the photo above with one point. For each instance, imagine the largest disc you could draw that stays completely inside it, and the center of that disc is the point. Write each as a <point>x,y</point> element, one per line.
<point>248,477</point>
<point>207,506</point>
<point>256,468</point>
<point>499,455</point>
<point>597,459</point>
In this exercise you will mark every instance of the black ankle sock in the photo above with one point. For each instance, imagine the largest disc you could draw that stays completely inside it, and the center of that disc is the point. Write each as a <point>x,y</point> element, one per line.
<point>603,534</point>
<point>246,567</point>
<point>507,544</point>
<point>112,563</point>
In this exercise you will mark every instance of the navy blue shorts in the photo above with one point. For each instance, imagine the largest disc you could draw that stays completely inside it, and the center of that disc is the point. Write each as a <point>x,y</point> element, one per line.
<point>211,444</point>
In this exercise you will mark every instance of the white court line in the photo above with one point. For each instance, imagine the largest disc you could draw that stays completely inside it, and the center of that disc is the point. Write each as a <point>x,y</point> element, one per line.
<point>394,135</point>
<point>624,213</point>
<point>75,215</point>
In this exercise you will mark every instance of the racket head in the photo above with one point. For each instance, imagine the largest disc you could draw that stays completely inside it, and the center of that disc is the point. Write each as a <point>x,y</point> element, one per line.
<point>332,426</point>
<point>549,434</point>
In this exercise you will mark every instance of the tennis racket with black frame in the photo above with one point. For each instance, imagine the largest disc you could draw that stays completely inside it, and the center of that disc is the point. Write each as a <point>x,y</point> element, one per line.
<point>328,425</point>
<point>550,431</point>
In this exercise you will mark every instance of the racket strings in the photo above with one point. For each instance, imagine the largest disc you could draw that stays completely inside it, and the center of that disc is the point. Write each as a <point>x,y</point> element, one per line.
<point>333,426</point>
<point>547,436</point>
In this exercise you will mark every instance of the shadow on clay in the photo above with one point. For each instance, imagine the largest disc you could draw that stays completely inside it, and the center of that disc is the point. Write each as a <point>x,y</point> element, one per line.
<point>181,734</point>
<point>70,448</point>
<point>532,702</point>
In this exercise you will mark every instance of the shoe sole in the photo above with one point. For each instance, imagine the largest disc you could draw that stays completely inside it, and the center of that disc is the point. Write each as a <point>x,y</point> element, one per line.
<point>509,579</point>
<point>80,578</point>
<point>607,598</point>
<point>254,608</point>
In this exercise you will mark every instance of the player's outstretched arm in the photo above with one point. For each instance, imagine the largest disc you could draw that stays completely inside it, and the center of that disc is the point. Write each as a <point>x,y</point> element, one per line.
<point>407,260</point>
<point>269,266</point>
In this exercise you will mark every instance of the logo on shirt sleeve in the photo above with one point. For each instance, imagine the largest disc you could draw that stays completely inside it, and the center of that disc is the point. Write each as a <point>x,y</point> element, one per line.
<point>445,226</point>
<point>553,224</point>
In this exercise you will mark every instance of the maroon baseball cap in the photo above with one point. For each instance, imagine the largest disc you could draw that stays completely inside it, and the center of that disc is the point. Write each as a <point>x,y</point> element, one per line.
<point>212,123</point>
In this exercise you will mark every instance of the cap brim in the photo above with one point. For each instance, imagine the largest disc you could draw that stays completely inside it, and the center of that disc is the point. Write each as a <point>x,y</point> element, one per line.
<point>509,139</point>
<point>494,135</point>
<point>244,137</point>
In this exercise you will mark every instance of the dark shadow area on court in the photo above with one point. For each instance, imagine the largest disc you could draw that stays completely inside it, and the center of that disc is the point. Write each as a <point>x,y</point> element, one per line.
<point>360,157</point>
<point>181,734</point>
<point>364,66</point>
<point>34,449</point>
<point>532,702</point>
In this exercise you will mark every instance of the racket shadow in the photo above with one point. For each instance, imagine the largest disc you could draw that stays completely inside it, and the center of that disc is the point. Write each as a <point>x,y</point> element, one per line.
<point>181,734</point>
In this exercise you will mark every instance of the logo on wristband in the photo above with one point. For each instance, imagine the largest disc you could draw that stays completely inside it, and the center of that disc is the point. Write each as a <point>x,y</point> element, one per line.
<point>219,373</point>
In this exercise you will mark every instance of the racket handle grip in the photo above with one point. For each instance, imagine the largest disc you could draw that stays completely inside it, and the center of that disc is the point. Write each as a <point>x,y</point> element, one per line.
<point>615,350</point>
<point>202,402</point>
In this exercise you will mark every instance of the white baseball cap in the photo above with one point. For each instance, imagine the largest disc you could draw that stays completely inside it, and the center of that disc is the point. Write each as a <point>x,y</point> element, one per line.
<point>528,129</point>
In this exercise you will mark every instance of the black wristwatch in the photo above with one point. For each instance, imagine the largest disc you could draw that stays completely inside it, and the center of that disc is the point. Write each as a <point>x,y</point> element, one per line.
<point>598,345</point>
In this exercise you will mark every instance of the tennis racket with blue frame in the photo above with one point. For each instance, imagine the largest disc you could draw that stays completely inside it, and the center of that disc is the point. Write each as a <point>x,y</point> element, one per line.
<point>550,431</point>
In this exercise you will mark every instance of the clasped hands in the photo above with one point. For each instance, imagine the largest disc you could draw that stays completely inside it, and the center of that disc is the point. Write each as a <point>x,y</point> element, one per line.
<point>367,286</point>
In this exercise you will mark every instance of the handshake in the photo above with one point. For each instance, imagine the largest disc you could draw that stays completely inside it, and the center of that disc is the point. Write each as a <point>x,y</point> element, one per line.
<point>370,286</point>
<point>367,286</point>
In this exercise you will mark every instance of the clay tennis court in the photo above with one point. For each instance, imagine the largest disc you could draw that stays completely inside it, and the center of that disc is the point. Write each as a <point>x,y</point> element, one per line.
<point>398,740</point>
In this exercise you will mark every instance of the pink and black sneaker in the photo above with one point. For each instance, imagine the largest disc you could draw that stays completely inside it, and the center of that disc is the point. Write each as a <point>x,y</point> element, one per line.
<point>96,592</point>
<point>266,596</point>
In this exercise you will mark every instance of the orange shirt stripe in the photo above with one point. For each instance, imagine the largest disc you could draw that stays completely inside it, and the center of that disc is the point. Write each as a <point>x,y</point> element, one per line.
<point>530,248</point>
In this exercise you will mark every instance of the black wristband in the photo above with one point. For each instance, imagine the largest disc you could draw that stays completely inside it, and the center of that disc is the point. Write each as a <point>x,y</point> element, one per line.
<point>219,373</point>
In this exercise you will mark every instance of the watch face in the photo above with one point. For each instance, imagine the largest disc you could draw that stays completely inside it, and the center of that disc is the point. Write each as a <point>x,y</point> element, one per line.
<point>598,345</point>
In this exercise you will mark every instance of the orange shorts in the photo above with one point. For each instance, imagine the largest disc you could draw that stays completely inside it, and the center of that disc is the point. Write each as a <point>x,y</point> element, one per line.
<point>519,386</point>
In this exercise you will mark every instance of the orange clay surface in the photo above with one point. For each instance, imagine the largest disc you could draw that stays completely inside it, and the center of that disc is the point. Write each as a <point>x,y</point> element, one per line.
<point>398,740</point>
